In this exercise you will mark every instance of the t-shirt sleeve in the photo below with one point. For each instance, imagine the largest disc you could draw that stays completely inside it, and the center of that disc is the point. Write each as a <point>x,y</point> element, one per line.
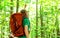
<point>25,22</point>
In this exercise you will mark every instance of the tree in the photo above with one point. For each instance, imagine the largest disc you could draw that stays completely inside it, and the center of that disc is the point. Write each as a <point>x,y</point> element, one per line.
<point>17,6</point>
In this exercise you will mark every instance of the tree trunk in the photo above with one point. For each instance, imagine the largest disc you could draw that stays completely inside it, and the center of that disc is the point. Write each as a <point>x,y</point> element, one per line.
<point>57,26</point>
<point>17,6</point>
<point>36,18</point>
<point>11,7</point>
<point>41,18</point>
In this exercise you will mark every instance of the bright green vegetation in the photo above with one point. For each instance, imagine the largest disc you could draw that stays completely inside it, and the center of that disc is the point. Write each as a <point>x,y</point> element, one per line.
<point>44,17</point>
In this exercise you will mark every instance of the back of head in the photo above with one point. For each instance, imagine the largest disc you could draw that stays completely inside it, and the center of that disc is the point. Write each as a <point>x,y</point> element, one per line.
<point>24,13</point>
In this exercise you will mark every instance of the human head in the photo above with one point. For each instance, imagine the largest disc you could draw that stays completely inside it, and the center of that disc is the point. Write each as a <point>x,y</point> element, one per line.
<point>24,13</point>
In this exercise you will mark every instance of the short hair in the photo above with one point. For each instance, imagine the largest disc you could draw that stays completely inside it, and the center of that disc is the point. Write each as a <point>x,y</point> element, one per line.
<point>23,11</point>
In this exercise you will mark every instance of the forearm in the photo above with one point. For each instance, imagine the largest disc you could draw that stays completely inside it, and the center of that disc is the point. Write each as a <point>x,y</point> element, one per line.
<point>26,32</point>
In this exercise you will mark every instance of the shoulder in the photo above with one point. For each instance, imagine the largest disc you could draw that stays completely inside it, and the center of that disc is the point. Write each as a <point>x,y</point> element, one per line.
<point>26,19</point>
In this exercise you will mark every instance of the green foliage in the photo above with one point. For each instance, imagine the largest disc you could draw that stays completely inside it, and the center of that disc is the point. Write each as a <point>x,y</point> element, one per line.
<point>49,11</point>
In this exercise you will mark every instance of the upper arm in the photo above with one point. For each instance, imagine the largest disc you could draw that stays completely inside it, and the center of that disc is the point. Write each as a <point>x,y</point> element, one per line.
<point>26,27</point>
<point>25,22</point>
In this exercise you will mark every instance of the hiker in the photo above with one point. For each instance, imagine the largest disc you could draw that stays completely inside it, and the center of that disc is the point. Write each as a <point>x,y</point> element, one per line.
<point>25,24</point>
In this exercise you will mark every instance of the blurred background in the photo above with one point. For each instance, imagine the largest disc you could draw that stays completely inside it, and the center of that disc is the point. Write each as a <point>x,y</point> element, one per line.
<point>44,16</point>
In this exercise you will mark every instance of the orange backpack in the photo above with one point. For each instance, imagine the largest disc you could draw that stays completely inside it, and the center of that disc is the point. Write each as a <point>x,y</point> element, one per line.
<point>16,24</point>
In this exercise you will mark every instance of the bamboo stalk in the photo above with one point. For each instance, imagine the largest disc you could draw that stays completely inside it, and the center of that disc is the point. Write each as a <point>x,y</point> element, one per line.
<point>11,7</point>
<point>41,18</point>
<point>36,18</point>
<point>11,11</point>
<point>17,6</point>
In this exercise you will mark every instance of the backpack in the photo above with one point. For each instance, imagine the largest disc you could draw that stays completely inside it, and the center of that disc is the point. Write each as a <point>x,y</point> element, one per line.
<point>16,24</point>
